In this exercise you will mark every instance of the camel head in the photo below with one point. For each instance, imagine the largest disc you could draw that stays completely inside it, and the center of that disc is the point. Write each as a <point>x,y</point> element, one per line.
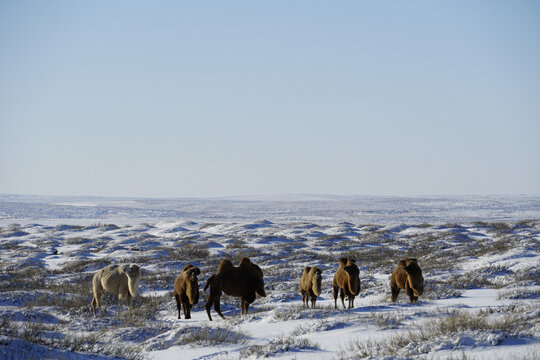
<point>414,276</point>
<point>317,281</point>
<point>260,280</point>
<point>133,273</point>
<point>192,274</point>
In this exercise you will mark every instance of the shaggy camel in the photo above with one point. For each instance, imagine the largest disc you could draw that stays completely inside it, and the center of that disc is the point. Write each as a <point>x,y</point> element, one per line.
<point>186,289</point>
<point>244,281</point>
<point>122,280</point>
<point>310,285</point>
<point>408,276</point>
<point>346,281</point>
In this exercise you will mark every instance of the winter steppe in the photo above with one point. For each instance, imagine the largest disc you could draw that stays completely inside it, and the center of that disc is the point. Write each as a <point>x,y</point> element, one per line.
<point>479,255</point>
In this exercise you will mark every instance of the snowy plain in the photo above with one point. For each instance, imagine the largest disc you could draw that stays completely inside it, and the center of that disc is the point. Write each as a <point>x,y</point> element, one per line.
<point>479,255</point>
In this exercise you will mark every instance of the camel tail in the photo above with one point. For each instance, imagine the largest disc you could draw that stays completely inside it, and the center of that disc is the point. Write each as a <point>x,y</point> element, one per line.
<point>210,279</point>
<point>133,276</point>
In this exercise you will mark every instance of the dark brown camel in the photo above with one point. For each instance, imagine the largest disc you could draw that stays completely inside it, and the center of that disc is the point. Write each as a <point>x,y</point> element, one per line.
<point>244,281</point>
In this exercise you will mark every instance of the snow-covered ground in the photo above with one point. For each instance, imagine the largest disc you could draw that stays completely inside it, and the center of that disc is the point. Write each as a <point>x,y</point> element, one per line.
<point>480,257</point>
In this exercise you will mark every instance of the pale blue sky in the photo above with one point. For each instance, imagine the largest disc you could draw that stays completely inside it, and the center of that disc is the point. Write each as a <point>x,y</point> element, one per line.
<point>220,98</point>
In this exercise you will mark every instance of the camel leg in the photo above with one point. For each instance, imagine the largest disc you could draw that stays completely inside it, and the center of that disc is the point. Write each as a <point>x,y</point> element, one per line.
<point>342,297</point>
<point>242,306</point>
<point>129,299</point>
<point>410,293</point>
<point>217,307</point>
<point>395,292</point>
<point>304,298</point>
<point>313,300</point>
<point>247,299</point>
<point>119,306</point>
<point>213,300</point>
<point>96,303</point>
<point>120,299</point>
<point>335,292</point>
<point>208,306</point>
<point>178,305</point>
<point>185,306</point>
<point>351,302</point>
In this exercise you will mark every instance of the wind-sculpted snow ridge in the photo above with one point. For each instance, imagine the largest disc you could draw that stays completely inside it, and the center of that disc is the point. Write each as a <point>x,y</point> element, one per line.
<point>320,209</point>
<point>481,295</point>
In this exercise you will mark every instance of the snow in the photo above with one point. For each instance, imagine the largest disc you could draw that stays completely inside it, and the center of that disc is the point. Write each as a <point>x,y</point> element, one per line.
<point>480,257</point>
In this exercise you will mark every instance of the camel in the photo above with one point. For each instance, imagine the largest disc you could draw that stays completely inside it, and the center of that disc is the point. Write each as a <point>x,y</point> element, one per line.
<point>244,281</point>
<point>186,289</point>
<point>310,285</point>
<point>408,276</point>
<point>346,282</point>
<point>122,280</point>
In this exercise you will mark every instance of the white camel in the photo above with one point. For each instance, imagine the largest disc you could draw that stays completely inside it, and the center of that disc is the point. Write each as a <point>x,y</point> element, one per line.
<point>120,279</point>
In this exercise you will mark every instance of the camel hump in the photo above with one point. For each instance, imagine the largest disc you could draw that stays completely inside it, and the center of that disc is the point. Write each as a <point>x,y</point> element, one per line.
<point>307,269</point>
<point>113,268</point>
<point>343,261</point>
<point>225,264</point>
<point>413,260</point>
<point>351,261</point>
<point>244,262</point>
<point>402,263</point>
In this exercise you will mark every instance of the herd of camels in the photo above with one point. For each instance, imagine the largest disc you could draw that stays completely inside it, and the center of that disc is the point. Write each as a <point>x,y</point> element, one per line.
<point>246,280</point>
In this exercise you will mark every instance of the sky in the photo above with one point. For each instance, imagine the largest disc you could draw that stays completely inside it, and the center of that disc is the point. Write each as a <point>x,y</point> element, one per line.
<point>228,98</point>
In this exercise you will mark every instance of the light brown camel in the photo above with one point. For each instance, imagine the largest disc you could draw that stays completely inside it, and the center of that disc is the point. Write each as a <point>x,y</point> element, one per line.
<point>408,276</point>
<point>310,285</point>
<point>122,280</point>
<point>346,282</point>
<point>186,289</point>
<point>244,281</point>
